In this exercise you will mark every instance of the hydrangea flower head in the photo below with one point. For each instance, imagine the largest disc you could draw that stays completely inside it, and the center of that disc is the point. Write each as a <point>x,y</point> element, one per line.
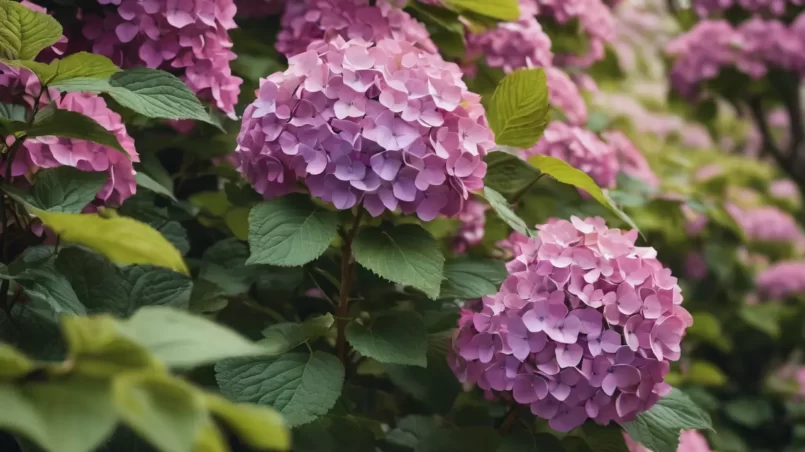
<point>564,94</point>
<point>583,328</point>
<point>305,21</point>
<point>387,125</point>
<point>630,159</point>
<point>595,19</point>
<point>471,231</point>
<point>782,280</point>
<point>768,224</point>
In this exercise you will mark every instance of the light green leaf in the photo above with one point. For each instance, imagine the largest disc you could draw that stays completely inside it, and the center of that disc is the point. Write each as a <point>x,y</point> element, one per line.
<point>67,415</point>
<point>707,327</point>
<point>507,10</point>
<point>258,427</point>
<point>123,240</point>
<point>763,317</point>
<point>704,373</point>
<point>65,189</point>
<point>505,212</point>
<point>25,32</point>
<point>405,254</point>
<point>472,278</point>
<point>98,349</point>
<point>300,386</point>
<point>290,231</point>
<point>69,124</point>
<point>13,364</point>
<point>518,111</point>
<point>165,411</point>
<point>78,65</point>
<point>182,340</point>
<point>283,337</point>
<point>394,337</point>
<point>565,173</point>
<point>658,428</point>
<point>508,174</point>
<point>145,181</point>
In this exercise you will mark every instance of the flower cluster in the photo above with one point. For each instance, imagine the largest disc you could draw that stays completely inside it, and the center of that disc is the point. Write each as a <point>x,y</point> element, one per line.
<point>705,8</point>
<point>471,231</point>
<point>630,160</point>
<point>564,95</point>
<point>306,21</point>
<point>785,189</point>
<point>387,125</point>
<point>768,224</point>
<point>782,279</point>
<point>595,20</point>
<point>580,148</point>
<point>52,152</point>
<point>689,441</point>
<point>189,37</point>
<point>583,327</point>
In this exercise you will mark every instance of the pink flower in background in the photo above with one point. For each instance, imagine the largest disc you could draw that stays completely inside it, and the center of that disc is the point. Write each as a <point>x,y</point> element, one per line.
<point>630,159</point>
<point>305,21</point>
<point>767,7</point>
<point>695,266</point>
<point>583,327</point>
<point>768,224</point>
<point>785,189</point>
<point>564,95</point>
<point>580,148</point>
<point>595,20</point>
<point>782,280</point>
<point>387,125</point>
<point>689,441</point>
<point>471,231</point>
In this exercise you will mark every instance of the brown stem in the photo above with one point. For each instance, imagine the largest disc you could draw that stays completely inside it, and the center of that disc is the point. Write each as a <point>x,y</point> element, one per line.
<point>509,420</point>
<point>342,313</point>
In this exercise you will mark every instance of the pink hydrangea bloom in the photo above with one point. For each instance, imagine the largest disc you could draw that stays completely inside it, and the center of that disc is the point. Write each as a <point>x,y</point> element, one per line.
<point>630,159</point>
<point>773,7</point>
<point>305,21</point>
<point>188,37</point>
<point>782,280</point>
<point>580,148</point>
<point>774,42</point>
<point>785,189</point>
<point>689,441</point>
<point>596,22</point>
<point>387,125</point>
<point>583,328</point>
<point>695,222</point>
<point>564,95</point>
<point>768,224</point>
<point>471,230</point>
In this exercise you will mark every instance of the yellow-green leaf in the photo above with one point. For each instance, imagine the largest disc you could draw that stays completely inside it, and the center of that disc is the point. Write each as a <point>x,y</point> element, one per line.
<point>567,174</point>
<point>210,439</point>
<point>25,32</point>
<point>123,240</point>
<point>507,10</point>
<point>78,65</point>
<point>259,427</point>
<point>13,364</point>
<point>518,111</point>
<point>705,373</point>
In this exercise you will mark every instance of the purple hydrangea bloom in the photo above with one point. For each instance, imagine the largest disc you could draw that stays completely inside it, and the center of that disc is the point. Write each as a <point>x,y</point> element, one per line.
<point>387,125</point>
<point>471,231</point>
<point>580,148</point>
<point>782,280</point>
<point>768,224</point>
<point>189,37</point>
<point>305,21</point>
<point>706,8</point>
<point>583,328</point>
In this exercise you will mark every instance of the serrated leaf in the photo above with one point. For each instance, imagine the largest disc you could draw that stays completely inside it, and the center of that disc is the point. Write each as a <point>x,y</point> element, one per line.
<point>507,10</point>
<point>69,124</point>
<point>165,411</point>
<point>25,32</point>
<point>472,278</point>
<point>658,428</point>
<point>567,174</point>
<point>508,174</point>
<point>299,386</point>
<point>394,337</point>
<point>65,189</point>
<point>182,340</point>
<point>518,110</point>
<point>405,254</point>
<point>123,240</point>
<point>290,231</point>
<point>257,427</point>
<point>78,65</point>
<point>283,337</point>
<point>505,212</point>
<point>49,292</point>
<point>66,415</point>
<point>147,182</point>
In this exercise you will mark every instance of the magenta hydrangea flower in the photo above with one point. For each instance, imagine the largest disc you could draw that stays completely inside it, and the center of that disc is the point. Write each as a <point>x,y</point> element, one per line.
<point>580,148</point>
<point>387,125</point>
<point>305,21</point>
<point>583,328</point>
<point>188,37</point>
<point>471,231</point>
<point>689,441</point>
<point>768,224</point>
<point>52,152</point>
<point>630,160</point>
<point>782,280</point>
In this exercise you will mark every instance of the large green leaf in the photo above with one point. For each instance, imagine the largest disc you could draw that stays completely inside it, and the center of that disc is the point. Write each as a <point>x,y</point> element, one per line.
<point>505,212</point>
<point>165,411</point>
<point>658,428</point>
<point>507,173</point>
<point>224,264</point>
<point>283,337</point>
<point>64,189</point>
<point>405,254</point>
<point>567,174</point>
<point>518,111</point>
<point>48,290</point>
<point>69,124</point>
<point>77,65</point>
<point>394,337</point>
<point>290,231</point>
<point>183,340</point>
<point>147,182</point>
<point>300,386</point>
<point>507,10</point>
<point>13,116</point>
<point>25,32</point>
<point>66,415</point>
<point>472,278</point>
<point>258,427</point>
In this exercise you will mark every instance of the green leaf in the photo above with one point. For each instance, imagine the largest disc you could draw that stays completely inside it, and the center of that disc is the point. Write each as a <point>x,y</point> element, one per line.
<point>78,65</point>
<point>97,348</point>
<point>283,337</point>
<point>13,364</point>
<point>123,240</point>
<point>505,212</point>
<point>69,124</point>
<point>565,173</point>
<point>472,278</point>
<point>751,413</point>
<point>470,439</point>
<point>49,291</point>
<point>165,411</point>
<point>66,415</point>
<point>224,264</point>
<point>25,32</point>
<point>518,111</point>
<point>149,92</point>
<point>704,373</point>
<point>290,231</point>
<point>707,327</point>
<point>763,317</point>
<point>507,10</point>
<point>508,174</point>
<point>394,337</point>
<point>405,254</point>
<point>604,438</point>
<point>65,189</point>
<point>145,181</point>
<point>13,117</point>
<point>411,430</point>
<point>527,442</point>
<point>182,340</point>
<point>658,428</point>
<point>300,386</point>
<point>257,427</point>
